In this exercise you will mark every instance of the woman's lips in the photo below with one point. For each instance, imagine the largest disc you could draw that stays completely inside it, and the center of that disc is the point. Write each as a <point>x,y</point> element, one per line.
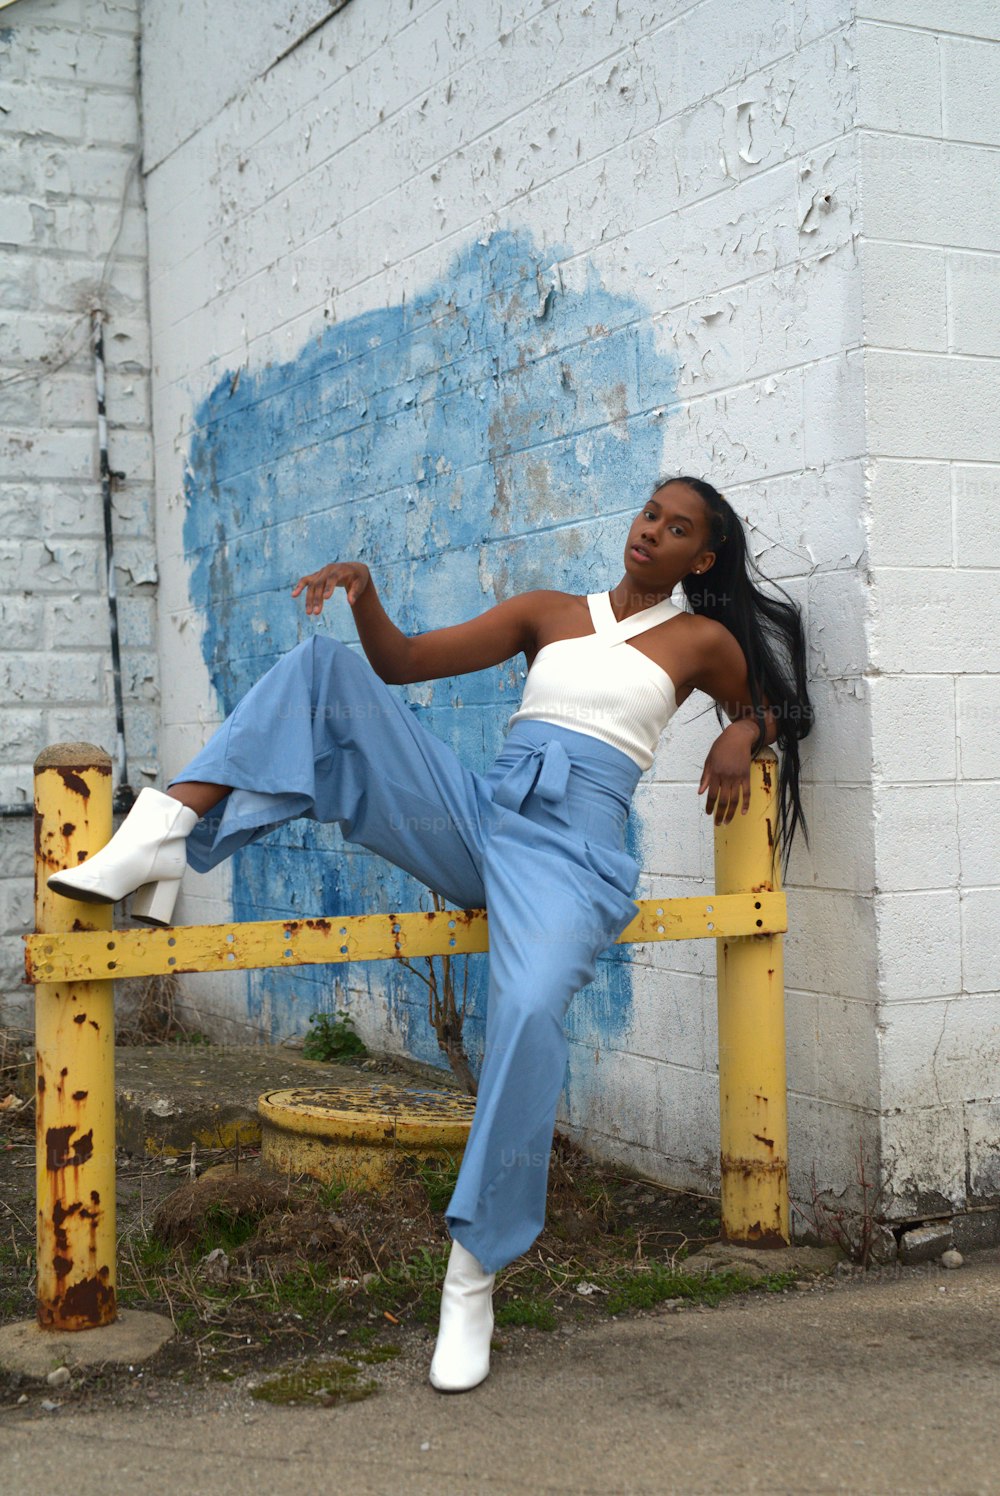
<point>640,555</point>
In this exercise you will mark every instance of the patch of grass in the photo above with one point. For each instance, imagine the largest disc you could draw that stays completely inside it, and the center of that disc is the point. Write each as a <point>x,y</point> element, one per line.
<point>594,1192</point>
<point>15,1302</point>
<point>775,1282</point>
<point>524,1311</point>
<point>412,1285</point>
<point>426,1309</point>
<point>630,1290</point>
<point>303,1292</point>
<point>438,1177</point>
<point>322,1383</point>
<point>328,1195</point>
<point>422,1268</point>
<point>224,1227</point>
<point>151,1255</point>
<point>363,1334</point>
<point>332,1038</point>
<point>376,1354</point>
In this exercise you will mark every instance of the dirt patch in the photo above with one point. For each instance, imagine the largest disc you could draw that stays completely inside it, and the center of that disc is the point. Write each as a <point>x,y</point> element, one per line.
<point>222,1202</point>
<point>262,1276</point>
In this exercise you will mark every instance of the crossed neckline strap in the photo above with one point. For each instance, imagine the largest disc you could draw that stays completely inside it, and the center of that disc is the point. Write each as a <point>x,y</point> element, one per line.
<point>614,630</point>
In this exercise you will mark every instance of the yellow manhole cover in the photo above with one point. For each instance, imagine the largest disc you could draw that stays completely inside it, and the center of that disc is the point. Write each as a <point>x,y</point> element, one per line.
<point>353,1133</point>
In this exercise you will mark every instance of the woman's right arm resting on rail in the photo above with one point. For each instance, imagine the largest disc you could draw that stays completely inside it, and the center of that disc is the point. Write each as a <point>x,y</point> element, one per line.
<point>496,635</point>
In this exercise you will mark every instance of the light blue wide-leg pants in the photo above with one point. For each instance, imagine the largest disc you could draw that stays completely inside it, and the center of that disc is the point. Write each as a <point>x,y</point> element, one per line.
<point>538,841</point>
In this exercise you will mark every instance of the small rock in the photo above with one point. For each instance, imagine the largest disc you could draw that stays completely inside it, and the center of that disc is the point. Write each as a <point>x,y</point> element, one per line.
<point>801,1283</point>
<point>952,1258</point>
<point>844,1269</point>
<point>588,1288</point>
<point>59,1377</point>
<point>425,1445</point>
<point>214,1267</point>
<point>22,1399</point>
<point>883,1248</point>
<point>49,1407</point>
<point>925,1242</point>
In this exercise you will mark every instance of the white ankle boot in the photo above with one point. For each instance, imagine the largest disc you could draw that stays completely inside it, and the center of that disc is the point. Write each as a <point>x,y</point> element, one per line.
<point>145,856</point>
<point>462,1354</point>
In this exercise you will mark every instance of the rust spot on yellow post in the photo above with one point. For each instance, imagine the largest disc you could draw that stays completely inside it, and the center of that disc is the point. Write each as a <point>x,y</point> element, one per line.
<point>75,783</point>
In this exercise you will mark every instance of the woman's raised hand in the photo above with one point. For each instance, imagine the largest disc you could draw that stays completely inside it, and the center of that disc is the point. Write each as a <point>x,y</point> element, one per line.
<point>353,576</point>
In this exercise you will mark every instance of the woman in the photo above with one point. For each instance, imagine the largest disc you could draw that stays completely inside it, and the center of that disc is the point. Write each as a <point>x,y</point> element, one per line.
<point>538,840</point>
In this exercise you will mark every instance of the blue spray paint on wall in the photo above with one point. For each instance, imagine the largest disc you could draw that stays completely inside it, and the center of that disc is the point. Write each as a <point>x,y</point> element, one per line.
<point>492,435</point>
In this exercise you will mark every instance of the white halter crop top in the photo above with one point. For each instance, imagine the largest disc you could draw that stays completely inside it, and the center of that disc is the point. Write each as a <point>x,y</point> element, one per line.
<point>591,685</point>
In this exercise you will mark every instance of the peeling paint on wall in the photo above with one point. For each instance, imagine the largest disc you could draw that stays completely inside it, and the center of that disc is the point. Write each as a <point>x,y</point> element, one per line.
<point>484,438</point>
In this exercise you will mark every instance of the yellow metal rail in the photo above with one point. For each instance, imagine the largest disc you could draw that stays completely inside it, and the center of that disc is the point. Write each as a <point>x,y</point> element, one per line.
<point>96,955</point>
<point>75,957</point>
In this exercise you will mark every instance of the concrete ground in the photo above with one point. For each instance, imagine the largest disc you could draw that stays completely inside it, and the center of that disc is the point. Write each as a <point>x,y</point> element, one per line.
<point>875,1384</point>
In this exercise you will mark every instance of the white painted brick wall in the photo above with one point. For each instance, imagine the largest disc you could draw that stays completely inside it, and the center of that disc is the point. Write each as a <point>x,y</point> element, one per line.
<point>345,177</point>
<point>69,131</point>
<point>930,85</point>
<point>805,197</point>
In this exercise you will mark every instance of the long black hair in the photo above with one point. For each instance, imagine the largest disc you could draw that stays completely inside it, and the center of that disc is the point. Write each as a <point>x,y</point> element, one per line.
<point>772,638</point>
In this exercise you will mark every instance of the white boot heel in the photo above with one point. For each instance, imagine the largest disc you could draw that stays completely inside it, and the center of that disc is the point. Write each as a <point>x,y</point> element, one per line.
<point>153,903</point>
<point>462,1353</point>
<point>146,852</point>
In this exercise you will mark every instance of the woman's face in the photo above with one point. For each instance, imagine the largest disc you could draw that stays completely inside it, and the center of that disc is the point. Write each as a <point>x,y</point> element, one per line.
<point>669,537</point>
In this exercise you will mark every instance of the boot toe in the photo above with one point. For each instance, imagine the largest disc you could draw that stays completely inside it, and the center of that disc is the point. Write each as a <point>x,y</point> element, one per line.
<point>453,1374</point>
<point>81,892</point>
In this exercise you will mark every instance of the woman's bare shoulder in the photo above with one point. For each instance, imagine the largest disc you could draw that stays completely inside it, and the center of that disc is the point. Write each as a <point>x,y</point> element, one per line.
<point>547,607</point>
<point>548,599</point>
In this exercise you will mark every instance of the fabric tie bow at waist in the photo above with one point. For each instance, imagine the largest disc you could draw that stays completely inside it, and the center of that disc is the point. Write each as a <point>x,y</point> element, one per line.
<point>545,769</point>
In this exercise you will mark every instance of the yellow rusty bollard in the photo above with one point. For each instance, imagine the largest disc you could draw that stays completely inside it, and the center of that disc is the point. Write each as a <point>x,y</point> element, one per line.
<point>752,1094</point>
<point>75,1057</point>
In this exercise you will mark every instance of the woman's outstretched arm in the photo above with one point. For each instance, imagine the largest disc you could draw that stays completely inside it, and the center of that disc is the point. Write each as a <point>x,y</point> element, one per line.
<point>400,659</point>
